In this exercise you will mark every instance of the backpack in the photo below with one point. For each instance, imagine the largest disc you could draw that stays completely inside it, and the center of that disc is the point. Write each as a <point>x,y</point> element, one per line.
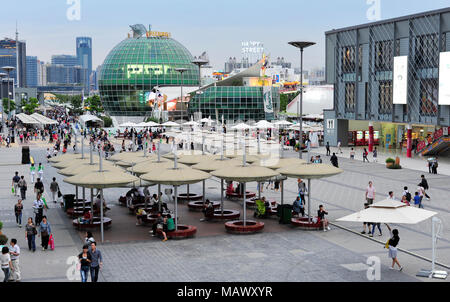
<point>408,196</point>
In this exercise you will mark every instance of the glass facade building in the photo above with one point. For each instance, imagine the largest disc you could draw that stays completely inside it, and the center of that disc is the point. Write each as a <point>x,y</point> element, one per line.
<point>234,103</point>
<point>360,65</point>
<point>8,57</point>
<point>84,55</point>
<point>65,60</point>
<point>135,66</point>
<point>32,71</point>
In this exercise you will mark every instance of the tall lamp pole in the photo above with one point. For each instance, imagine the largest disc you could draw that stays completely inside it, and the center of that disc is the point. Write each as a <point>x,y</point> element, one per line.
<point>181,71</point>
<point>2,75</point>
<point>199,62</point>
<point>301,45</point>
<point>8,70</point>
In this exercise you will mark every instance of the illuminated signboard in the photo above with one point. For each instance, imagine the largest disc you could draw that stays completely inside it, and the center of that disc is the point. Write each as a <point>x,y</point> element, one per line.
<point>401,80</point>
<point>158,34</point>
<point>359,135</point>
<point>444,78</point>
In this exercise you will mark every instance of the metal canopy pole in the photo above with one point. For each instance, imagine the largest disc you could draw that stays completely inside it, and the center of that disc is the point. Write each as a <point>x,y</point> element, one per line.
<point>221,195</point>
<point>245,206</point>
<point>309,200</point>
<point>84,199</point>
<point>259,190</point>
<point>159,197</point>
<point>176,207</point>
<point>300,116</point>
<point>101,197</point>
<point>101,214</point>
<point>204,191</point>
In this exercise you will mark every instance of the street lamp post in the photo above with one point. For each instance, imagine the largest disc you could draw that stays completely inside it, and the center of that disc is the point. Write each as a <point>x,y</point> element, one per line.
<point>301,45</point>
<point>8,70</point>
<point>199,62</point>
<point>181,71</point>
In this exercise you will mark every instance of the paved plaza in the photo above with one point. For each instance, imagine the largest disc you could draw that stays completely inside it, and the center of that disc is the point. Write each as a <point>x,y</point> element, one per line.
<point>280,253</point>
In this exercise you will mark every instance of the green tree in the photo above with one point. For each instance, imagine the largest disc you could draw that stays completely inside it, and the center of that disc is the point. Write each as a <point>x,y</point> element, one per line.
<point>107,121</point>
<point>285,99</point>
<point>30,106</point>
<point>6,108</point>
<point>94,104</point>
<point>152,119</point>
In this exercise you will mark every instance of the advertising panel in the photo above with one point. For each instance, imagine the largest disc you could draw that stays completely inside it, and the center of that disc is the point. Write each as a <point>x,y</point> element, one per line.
<point>400,80</point>
<point>267,95</point>
<point>444,78</point>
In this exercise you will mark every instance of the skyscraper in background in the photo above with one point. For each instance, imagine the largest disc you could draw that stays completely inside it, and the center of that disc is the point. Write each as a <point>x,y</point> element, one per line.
<point>65,60</point>
<point>32,71</point>
<point>8,57</point>
<point>84,55</point>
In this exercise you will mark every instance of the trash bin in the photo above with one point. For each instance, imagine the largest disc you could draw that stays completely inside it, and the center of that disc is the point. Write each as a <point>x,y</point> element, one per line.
<point>25,155</point>
<point>68,201</point>
<point>285,213</point>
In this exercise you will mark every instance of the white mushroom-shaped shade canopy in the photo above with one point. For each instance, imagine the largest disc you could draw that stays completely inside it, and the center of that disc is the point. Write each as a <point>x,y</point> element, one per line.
<point>176,177</point>
<point>312,171</point>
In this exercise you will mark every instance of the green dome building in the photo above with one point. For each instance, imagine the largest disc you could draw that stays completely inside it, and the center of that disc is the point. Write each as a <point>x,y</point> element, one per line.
<point>138,64</point>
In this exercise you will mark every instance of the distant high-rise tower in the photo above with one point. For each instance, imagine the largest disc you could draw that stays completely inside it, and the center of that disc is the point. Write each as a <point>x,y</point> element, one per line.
<point>32,71</point>
<point>8,57</point>
<point>65,60</point>
<point>84,56</point>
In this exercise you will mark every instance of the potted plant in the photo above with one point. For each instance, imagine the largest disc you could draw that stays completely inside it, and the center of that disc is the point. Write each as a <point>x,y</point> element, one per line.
<point>390,162</point>
<point>393,164</point>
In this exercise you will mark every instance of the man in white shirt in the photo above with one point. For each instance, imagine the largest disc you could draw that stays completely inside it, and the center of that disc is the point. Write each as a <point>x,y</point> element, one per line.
<point>370,193</point>
<point>38,208</point>
<point>14,250</point>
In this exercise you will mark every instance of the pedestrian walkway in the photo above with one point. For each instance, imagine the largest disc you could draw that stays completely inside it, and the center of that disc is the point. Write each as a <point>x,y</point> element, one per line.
<point>416,163</point>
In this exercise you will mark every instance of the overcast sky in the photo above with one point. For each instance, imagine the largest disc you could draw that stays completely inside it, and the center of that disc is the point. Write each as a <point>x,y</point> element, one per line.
<point>215,26</point>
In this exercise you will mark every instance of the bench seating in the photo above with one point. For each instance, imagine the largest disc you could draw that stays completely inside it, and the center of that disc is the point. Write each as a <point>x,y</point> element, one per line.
<point>304,224</point>
<point>184,231</point>
<point>237,227</point>
<point>95,224</point>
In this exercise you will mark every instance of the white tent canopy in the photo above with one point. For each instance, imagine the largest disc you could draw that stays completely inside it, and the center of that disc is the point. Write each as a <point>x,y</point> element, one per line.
<point>27,120</point>
<point>89,118</point>
<point>390,211</point>
<point>43,119</point>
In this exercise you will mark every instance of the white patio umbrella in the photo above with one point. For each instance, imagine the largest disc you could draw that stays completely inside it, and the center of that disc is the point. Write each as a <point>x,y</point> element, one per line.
<point>151,124</point>
<point>101,179</point>
<point>241,126</point>
<point>170,124</point>
<point>128,124</point>
<point>282,123</point>
<point>176,176</point>
<point>141,125</point>
<point>309,172</point>
<point>191,123</point>
<point>390,211</point>
<point>264,125</point>
<point>206,120</point>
